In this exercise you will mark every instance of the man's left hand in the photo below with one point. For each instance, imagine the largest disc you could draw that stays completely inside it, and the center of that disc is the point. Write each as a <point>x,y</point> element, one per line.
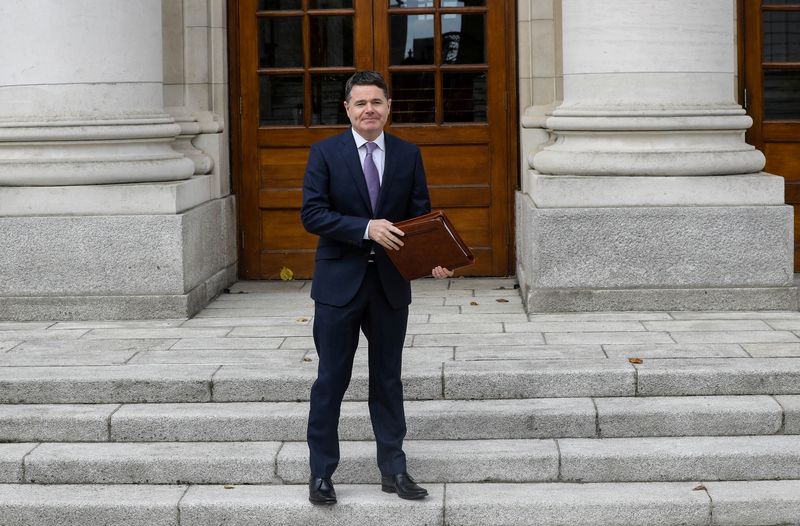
<point>441,273</point>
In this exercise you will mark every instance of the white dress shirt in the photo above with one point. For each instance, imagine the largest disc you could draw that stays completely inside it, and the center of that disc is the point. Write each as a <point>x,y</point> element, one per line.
<point>378,156</point>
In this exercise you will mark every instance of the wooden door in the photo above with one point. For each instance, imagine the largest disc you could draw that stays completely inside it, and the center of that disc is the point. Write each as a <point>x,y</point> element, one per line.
<point>771,63</point>
<point>451,95</point>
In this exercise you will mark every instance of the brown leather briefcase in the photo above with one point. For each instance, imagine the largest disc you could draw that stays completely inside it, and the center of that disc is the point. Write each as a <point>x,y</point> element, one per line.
<point>430,241</point>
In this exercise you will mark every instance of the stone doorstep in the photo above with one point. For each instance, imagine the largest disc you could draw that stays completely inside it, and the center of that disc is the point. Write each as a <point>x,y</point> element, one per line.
<point>660,459</point>
<point>489,379</point>
<point>427,420</point>
<point>734,503</point>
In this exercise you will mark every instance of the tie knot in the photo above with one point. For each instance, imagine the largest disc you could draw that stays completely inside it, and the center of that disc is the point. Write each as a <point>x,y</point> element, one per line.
<point>371,147</point>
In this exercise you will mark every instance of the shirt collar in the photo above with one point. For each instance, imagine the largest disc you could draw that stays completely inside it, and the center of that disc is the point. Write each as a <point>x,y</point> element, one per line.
<point>361,141</point>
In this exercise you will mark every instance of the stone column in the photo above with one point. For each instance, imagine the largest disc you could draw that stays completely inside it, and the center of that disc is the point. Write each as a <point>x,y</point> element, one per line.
<point>81,94</point>
<point>647,196</point>
<point>100,217</point>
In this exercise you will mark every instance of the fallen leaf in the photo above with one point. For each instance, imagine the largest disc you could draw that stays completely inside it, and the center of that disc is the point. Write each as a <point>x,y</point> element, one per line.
<point>228,486</point>
<point>301,320</point>
<point>635,360</point>
<point>307,359</point>
<point>699,488</point>
<point>473,303</point>
<point>501,300</point>
<point>287,274</point>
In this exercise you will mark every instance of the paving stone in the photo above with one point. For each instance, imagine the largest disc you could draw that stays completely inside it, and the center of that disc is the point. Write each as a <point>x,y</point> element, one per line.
<point>419,356</point>
<point>11,458</point>
<point>154,463</point>
<point>229,343</point>
<point>791,408</point>
<point>82,345</point>
<point>455,328</point>
<point>82,505</point>
<point>292,287</point>
<point>539,378</point>
<point>260,505</point>
<point>454,293</point>
<point>439,340</point>
<point>415,309</point>
<point>487,304</point>
<point>599,316</point>
<point>680,458</point>
<point>41,334</point>
<point>62,358</point>
<point>24,325</point>
<point>734,315</point>
<point>287,383</point>
<point>569,338</point>
<point>138,334</point>
<point>265,304</point>
<point>609,504</point>
<point>429,284</point>
<point>8,345</point>
<point>709,376</point>
<point>106,384</point>
<point>256,313</point>
<point>772,350</point>
<point>482,283</point>
<point>529,352</point>
<point>755,502</point>
<point>688,415</point>
<point>269,331</point>
<point>706,325</point>
<point>307,342</point>
<point>676,350</point>
<point>478,318</point>
<point>734,337</point>
<point>60,422</point>
<point>280,321</point>
<point>575,326</point>
<point>221,356</point>
<point>119,324</point>
<point>287,421</point>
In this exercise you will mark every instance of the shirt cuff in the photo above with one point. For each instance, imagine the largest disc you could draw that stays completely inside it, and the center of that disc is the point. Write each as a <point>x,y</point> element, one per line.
<point>366,230</point>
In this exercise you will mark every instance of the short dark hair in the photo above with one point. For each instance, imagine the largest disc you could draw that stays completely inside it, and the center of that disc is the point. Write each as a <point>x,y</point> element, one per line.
<point>365,78</point>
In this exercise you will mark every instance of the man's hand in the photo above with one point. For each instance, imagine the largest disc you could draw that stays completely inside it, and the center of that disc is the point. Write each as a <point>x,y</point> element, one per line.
<point>385,234</point>
<point>441,273</point>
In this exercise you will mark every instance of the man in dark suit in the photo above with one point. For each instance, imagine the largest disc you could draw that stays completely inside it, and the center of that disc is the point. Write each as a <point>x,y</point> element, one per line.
<point>357,184</point>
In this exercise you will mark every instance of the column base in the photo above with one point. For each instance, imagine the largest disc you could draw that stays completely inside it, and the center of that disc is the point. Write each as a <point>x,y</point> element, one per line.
<point>116,267</point>
<point>655,257</point>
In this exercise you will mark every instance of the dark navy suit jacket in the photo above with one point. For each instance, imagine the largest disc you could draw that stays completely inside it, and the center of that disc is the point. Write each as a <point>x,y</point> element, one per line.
<point>336,207</point>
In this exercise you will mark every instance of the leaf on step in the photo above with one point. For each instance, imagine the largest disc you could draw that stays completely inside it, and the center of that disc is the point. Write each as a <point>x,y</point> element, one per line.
<point>501,300</point>
<point>307,359</point>
<point>301,320</point>
<point>699,488</point>
<point>473,303</point>
<point>228,486</point>
<point>287,274</point>
<point>635,360</point>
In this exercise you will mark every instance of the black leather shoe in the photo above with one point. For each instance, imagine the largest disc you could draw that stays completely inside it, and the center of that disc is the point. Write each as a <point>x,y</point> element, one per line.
<point>403,485</point>
<point>320,491</point>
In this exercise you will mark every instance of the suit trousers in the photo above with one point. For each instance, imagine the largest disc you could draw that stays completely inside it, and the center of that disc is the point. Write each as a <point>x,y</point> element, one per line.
<point>336,338</point>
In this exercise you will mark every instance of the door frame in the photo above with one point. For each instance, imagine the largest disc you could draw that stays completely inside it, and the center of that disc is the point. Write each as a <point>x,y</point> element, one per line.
<point>512,183</point>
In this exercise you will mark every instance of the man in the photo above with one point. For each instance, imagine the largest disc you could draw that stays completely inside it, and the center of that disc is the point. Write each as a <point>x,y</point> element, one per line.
<point>356,185</point>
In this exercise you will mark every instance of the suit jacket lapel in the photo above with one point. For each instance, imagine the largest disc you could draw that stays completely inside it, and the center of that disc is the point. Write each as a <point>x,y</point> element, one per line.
<point>389,166</point>
<point>349,153</point>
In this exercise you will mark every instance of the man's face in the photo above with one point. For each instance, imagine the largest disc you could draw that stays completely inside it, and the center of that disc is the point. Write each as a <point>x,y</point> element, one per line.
<point>368,110</point>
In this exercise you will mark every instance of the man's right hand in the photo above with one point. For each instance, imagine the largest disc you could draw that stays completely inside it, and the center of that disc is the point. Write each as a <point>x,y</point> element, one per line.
<point>385,234</point>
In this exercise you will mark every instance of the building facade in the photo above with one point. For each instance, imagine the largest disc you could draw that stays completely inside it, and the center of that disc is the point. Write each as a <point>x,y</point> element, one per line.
<point>153,152</point>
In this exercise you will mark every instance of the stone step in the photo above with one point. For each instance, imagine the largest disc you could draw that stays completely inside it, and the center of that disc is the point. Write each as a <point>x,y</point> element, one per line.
<point>662,459</point>
<point>427,420</point>
<point>488,379</point>
<point>765,503</point>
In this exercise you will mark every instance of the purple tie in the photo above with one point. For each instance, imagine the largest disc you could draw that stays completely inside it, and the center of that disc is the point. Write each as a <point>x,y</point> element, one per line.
<point>371,175</point>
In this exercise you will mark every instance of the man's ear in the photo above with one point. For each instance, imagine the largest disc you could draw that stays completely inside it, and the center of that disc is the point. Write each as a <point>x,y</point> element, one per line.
<point>389,104</point>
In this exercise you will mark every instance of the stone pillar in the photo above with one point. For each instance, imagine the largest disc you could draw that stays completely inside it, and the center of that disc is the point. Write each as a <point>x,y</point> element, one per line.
<point>100,217</point>
<point>647,196</point>
<point>81,95</point>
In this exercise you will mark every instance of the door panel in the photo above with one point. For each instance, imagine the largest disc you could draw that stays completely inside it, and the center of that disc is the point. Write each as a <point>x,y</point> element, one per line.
<point>771,35</point>
<point>449,95</point>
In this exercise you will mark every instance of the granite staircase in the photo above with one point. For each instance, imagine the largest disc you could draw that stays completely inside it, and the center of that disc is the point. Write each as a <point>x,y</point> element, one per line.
<point>518,427</point>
